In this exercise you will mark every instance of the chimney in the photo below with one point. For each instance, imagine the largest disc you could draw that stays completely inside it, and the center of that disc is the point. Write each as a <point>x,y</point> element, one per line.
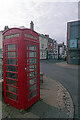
<point>47,36</point>
<point>32,25</point>
<point>6,28</point>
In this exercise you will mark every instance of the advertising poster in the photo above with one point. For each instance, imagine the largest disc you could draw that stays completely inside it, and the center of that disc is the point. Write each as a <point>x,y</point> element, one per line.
<point>73,43</point>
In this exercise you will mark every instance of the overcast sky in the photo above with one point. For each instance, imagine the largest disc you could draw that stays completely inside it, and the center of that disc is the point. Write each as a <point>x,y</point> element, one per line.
<point>49,17</point>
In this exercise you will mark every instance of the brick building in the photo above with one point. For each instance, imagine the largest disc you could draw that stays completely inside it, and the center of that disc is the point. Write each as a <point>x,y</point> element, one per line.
<point>52,49</point>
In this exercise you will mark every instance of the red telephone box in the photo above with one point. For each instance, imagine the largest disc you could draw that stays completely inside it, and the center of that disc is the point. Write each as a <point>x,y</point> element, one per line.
<point>21,66</point>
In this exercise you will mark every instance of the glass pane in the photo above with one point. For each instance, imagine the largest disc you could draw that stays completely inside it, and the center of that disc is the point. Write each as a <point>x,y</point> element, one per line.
<point>32,67</point>
<point>12,82</point>
<point>11,61</point>
<point>27,54</point>
<point>12,96</point>
<point>32,74</point>
<point>27,47</point>
<point>28,97</point>
<point>32,61</point>
<point>32,54</point>
<point>17,61</point>
<point>6,54</point>
<point>32,47</point>
<point>33,87</point>
<point>11,54</point>
<point>17,98</point>
<point>32,81</point>
<point>11,89</point>
<point>11,47</point>
<point>33,94</point>
<point>12,68</point>
<point>16,83</point>
<point>27,61</point>
<point>5,47</point>
<point>16,54</point>
<point>11,75</point>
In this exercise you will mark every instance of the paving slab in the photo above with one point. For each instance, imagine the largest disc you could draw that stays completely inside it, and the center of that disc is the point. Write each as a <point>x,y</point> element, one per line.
<point>54,94</point>
<point>55,102</point>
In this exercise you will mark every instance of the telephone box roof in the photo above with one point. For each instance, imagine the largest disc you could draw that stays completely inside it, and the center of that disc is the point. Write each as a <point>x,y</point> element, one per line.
<point>19,28</point>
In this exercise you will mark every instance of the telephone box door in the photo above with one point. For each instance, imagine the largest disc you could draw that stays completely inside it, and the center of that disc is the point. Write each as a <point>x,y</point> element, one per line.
<point>32,73</point>
<point>11,73</point>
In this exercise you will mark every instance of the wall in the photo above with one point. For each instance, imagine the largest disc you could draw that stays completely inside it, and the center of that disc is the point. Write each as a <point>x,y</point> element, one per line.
<point>0,39</point>
<point>43,46</point>
<point>73,42</point>
<point>74,57</point>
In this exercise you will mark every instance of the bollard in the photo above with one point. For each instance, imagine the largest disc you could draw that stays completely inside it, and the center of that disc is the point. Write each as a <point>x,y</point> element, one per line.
<point>41,77</point>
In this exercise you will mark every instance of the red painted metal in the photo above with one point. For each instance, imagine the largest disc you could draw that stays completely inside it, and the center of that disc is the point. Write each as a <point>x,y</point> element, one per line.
<point>21,66</point>
<point>68,42</point>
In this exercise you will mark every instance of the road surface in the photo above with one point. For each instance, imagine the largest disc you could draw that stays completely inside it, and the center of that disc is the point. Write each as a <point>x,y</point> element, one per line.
<point>67,76</point>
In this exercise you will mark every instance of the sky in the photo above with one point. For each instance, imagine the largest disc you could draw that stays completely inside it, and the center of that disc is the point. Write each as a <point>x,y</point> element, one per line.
<point>49,16</point>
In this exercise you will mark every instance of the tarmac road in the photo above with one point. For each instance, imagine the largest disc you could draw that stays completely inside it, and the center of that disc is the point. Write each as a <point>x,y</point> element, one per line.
<point>68,77</point>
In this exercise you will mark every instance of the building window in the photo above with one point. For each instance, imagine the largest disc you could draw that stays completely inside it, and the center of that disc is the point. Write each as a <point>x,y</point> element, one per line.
<point>51,44</point>
<point>42,45</point>
<point>42,54</point>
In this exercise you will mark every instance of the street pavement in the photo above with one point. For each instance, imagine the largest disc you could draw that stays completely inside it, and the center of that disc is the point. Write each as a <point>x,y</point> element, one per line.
<point>54,97</point>
<point>66,74</point>
<point>55,102</point>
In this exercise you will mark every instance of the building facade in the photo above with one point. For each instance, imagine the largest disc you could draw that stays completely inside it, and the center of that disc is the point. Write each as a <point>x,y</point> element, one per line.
<point>61,51</point>
<point>1,44</point>
<point>0,39</point>
<point>73,42</point>
<point>55,52</point>
<point>43,46</point>
<point>1,56</point>
<point>52,50</point>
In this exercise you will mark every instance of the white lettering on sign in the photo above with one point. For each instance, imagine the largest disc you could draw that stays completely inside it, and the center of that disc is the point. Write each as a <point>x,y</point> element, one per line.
<point>11,36</point>
<point>30,36</point>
